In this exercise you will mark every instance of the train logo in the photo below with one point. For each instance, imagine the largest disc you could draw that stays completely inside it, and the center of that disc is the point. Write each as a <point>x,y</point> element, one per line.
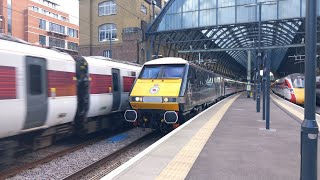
<point>155,89</point>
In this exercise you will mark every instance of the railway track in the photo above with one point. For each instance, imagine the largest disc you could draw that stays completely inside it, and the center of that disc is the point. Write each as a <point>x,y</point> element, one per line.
<point>106,159</point>
<point>16,170</point>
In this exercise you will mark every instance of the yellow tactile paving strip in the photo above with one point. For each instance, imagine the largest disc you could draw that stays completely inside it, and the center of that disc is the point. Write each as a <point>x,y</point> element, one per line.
<point>181,164</point>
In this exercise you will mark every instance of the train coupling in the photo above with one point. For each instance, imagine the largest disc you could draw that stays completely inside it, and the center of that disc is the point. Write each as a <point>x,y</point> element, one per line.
<point>130,115</point>
<point>170,117</point>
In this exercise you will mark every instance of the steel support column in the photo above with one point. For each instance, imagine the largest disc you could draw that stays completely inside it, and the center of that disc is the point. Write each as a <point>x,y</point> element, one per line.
<point>264,86</point>
<point>267,89</point>
<point>259,60</point>
<point>309,126</point>
<point>249,74</point>
<point>150,49</point>
<point>254,77</point>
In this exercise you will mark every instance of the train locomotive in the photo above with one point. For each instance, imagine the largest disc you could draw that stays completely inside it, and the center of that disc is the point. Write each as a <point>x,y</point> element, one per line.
<point>46,95</point>
<point>168,91</point>
<point>290,87</point>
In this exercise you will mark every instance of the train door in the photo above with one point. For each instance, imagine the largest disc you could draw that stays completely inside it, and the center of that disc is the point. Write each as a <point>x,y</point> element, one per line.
<point>116,89</point>
<point>37,98</point>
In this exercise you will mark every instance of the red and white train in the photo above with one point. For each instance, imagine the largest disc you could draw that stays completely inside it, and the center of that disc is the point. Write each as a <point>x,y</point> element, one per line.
<point>46,94</point>
<point>290,87</point>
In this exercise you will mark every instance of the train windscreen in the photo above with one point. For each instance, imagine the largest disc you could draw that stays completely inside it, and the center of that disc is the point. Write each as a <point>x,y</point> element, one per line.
<point>298,82</point>
<point>162,71</point>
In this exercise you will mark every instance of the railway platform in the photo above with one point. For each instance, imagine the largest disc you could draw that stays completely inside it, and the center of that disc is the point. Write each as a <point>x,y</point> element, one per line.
<point>226,141</point>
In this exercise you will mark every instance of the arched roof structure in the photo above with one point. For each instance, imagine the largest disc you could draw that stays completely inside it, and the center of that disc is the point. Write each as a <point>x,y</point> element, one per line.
<point>221,32</point>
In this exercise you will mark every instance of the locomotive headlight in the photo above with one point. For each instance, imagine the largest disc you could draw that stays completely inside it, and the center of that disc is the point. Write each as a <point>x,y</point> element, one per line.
<point>169,99</point>
<point>137,99</point>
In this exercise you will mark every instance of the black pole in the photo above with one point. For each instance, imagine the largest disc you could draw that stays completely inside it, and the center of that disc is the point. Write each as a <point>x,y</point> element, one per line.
<point>259,60</point>
<point>110,46</point>
<point>249,74</point>
<point>264,86</point>
<point>254,79</point>
<point>309,126</point>
<point>153,1</point>
<point>267,89</point>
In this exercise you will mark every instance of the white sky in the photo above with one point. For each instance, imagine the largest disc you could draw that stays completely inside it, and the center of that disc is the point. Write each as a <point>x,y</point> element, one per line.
<point>72,8</point>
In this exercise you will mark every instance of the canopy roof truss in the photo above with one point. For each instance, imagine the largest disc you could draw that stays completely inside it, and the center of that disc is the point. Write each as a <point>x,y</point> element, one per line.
<point>224,48</point>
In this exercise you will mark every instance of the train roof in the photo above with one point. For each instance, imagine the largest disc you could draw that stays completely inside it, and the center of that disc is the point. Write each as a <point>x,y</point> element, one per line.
<point>17,46</point>
<point>114,60</point>
<point>102,61</point>
<point>167,60</point>
<point>296,75</point>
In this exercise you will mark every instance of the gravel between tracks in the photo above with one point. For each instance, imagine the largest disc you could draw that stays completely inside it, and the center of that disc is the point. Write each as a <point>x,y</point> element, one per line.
<point>65,165</point>
<point>122,158</point>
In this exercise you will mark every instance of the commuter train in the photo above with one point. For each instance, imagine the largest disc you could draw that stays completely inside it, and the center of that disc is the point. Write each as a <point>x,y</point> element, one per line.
<point>46,94</point>
<point>290,87</point>
<point>170,90</point>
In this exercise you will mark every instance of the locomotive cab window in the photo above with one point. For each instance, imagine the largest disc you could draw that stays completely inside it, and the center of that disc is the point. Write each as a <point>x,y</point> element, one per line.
<point>173,71</point>
<point>35,79</point>
<point>162,72</point>
<point>298,82</point>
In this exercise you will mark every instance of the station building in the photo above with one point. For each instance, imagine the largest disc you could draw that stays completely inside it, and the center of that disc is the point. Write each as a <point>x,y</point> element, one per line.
<point>124,22</point>
<point>39,22</point>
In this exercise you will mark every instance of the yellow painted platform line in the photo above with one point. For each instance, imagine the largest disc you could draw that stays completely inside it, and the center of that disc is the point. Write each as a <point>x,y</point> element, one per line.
<point>181,164</point>
<point>291,110</point>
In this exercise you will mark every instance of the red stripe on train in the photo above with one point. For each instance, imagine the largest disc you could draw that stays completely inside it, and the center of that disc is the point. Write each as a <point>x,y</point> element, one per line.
<point>8,83</point>
<point>63,83</point>
<point>100,84</point>
<point>127,83</point>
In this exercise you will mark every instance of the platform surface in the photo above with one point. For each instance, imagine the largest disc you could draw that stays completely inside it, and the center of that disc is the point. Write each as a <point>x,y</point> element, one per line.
<point>227,141</point>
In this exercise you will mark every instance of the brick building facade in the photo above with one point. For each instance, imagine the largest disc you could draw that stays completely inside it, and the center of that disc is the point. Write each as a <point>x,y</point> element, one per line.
<point>39,22</point>
<point>121,21</point>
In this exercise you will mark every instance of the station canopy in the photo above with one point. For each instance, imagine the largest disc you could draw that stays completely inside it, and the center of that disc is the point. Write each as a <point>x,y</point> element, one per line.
<point>220,34</point>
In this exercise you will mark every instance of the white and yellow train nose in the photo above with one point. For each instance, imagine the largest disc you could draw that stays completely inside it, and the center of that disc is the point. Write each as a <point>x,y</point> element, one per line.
<point>299,95</point>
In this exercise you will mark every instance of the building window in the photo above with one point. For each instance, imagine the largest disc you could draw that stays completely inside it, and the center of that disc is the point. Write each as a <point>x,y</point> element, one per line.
<point>143,9</point>
<point>35,9</point>
<point>73,46</point>
<point>48,3</point>
<point>106,53</point>
<point>63,18</point>
<point>42,40</point>
<point>45,12</point>
<point>42,24</point>
<point>54,15</point>
<point>73,32</point>
<point>107,31</point>
<point>56,28</point>
<point>53,42</point>
<point>107,8</point>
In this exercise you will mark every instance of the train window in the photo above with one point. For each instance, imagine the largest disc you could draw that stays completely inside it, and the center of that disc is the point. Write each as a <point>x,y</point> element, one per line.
<point>298,82</point>
<point>133,73</point>
<point>150,72</point>
<point>173,71</point>
<point>115,82</point>
<point>35,79</point>
<point>164,71</point>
